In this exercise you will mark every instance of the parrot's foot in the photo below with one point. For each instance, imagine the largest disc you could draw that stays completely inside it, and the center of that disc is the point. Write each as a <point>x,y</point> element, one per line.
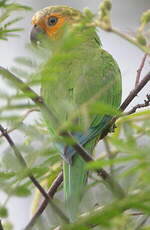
<point>68,154</point>
<point>112,128</point>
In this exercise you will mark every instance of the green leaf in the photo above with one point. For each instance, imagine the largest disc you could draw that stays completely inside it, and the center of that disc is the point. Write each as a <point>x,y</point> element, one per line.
<point>3,212</point>
<point>21,191</point>
<point>6,175</point>
<point>26,62</point>
<point>16,6</point>
<point>108,162</point>
<point>13,21</point>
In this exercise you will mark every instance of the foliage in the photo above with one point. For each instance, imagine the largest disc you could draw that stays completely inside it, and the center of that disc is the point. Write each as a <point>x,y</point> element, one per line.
<point>6,9</point>
<point>124,153</point>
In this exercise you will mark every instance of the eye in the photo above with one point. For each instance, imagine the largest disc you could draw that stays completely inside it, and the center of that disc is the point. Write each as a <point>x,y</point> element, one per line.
<point>52,20</point>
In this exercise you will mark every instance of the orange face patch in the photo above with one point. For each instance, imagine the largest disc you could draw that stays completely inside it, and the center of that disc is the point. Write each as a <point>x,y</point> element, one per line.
<point>53,30</point>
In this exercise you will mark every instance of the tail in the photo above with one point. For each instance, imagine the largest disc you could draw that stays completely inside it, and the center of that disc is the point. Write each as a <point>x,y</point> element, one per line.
<point>75,177</point>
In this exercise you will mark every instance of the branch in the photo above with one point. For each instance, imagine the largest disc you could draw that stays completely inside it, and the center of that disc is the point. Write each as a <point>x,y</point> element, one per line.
<point>1,226</point>
<point>32,178</point>
<point>52,190</point>
<point>130,39</point>
<point>135,91</point>
<point>140,70</point>
<point>139,106</point>
<point>13,146</point>
<point>108,28</point>
<point>126,102</point>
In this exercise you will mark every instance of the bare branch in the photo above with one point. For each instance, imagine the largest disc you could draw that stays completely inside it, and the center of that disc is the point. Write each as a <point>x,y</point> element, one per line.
<point>139,106</point>
<point>1,226</point>
<point>126,102</point>
<point>131,40</point>
<point>135,91</point>
<point>140,70</point>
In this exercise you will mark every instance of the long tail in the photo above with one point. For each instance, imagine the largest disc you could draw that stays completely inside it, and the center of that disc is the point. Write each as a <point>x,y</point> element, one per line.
<point>75,177</point>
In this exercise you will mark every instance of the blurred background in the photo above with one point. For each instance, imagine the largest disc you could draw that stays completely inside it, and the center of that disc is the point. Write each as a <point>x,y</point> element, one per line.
<point>125,16</point>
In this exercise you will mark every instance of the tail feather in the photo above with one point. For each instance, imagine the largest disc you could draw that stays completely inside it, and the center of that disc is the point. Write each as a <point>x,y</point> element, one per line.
<point>75,177</point>
<point>74,184</point>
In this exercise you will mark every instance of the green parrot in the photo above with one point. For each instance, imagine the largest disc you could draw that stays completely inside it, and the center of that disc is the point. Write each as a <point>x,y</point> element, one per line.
<point>78,75</point>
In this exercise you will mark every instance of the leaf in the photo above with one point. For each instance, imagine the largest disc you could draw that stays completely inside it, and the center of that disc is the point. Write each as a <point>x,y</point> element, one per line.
<point>108,162</point>
<point>26,62</point>
<point>3,212</point>
<point>21,191</point>
<point>5,28</point>
<point>6,175</point>
<point>10,162</point>
<point>16,6</point>
<point>12,21</point>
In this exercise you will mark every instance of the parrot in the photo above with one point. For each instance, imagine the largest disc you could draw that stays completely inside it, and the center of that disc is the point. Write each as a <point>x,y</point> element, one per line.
<point>79,73</point>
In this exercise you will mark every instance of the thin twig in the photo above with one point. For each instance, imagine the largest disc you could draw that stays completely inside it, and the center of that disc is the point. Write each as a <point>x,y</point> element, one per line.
<point>126,37</point>
<point>126,102</point>
<point>52,190</point>
<point>22,119</point>
<point>32,178</point>
<point>13,146</point>
<point>135,91</point>
<point>137,80</point>
<point>131,40</point>
<point>1,226</point>
<point>139,106</point>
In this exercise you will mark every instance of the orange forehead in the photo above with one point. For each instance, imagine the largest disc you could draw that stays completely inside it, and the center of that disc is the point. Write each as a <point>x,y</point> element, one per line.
<point>43,23</point>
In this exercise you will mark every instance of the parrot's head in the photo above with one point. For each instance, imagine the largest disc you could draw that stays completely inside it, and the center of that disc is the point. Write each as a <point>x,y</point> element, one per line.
<point>51,20</point>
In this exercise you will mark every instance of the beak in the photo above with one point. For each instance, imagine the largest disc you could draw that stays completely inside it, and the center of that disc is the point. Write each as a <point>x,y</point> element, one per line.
<point>36,34</point>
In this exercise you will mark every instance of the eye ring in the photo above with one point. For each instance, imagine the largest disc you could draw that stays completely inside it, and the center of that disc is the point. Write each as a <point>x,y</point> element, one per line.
<point>52,20</point>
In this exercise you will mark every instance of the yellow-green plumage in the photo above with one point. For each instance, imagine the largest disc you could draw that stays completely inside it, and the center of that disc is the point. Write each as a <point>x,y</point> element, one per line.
<point>79,73</point>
